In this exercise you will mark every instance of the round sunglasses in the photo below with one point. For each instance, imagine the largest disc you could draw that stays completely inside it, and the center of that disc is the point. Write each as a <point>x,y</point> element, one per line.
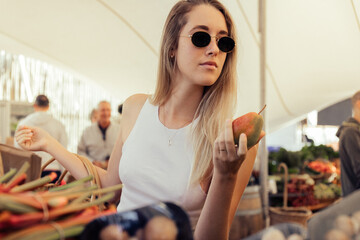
<point>202,39</point>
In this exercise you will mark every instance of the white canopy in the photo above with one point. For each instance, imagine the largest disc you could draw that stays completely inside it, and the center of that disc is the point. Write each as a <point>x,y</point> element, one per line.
<point>313,47</point>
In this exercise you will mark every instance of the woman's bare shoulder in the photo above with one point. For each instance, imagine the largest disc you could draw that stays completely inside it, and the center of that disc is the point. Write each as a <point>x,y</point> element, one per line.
<point>135,101</point>
<point>131,109</point>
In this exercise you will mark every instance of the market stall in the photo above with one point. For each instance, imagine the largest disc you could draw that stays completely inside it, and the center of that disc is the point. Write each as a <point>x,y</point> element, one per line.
<point>314,185</point>
<point>40,209</point>
<point>35,208</point>
<point>301,184</point>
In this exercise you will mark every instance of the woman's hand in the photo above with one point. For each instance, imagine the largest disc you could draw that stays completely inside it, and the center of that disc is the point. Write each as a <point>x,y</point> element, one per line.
<point>226,156</point>
<point>32,138</point>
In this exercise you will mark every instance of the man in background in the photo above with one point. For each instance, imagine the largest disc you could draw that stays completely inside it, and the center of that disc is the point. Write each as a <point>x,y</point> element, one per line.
<point>117,118</point>
<point>97,140</point>
<point>349,149</point>
<point>43,119</point>
<point>94,115</point>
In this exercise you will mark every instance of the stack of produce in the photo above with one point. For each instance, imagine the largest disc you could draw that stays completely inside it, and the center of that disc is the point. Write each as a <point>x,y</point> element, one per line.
<point>319,156</point>
<point>273,233</point>
<point>326,192</point>
<point>323,166</point>
<point>312,152</point>
<point>345,227</point>
<point>304,192</point>
<point>27,211</point>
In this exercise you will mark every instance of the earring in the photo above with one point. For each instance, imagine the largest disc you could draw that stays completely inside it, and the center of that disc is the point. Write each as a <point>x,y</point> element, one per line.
<point>172,55</point>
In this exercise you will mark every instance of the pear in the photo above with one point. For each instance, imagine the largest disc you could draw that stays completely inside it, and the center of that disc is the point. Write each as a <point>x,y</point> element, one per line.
<point>251,124</point>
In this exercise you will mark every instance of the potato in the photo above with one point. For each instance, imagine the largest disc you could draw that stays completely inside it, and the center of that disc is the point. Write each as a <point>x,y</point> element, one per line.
<point>160,228</point>
<point>295,236</point>
<point>356,215</point>
<point>356,225</point>
<point>113,232</point>
<point>344,223</point>
<point>336,234</point>
<point>272,234</point>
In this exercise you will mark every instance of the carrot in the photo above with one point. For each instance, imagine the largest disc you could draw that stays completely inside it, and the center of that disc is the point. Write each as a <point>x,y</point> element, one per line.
<point>56,202</point>
<point>80,199</point>
<point>7,175</point>
<point>21,199</point>
<point>17,207</point>
<point>35,183</point>
<point>90,190</point>
<point>35,217</point>
<point>73,192</point>
<point>72,227</point>
<point>5,216</point>
<point>2,188</point>
<point>72,184</point>
<point>22,170</point>
<point>14,182</point>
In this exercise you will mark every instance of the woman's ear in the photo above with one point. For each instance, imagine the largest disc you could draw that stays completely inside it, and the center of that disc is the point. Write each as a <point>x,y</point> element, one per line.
<point>172,53</point>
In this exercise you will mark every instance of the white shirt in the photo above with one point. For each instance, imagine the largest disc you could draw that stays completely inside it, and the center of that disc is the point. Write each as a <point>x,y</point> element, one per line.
<point>93,146</point>
<point>153,171</point>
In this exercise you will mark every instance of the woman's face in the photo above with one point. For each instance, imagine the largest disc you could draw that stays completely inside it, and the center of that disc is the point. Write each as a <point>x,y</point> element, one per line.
<point>201,66</point>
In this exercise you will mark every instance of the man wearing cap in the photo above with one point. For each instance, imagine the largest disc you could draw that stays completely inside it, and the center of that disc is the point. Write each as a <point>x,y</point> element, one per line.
<point>42,119</point>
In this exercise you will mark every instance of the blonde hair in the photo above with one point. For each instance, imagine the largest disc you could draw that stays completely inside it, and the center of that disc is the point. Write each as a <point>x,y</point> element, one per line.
<point>219,99</point>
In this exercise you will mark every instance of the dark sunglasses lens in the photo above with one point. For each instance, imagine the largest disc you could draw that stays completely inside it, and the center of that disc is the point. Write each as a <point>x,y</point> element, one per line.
<point>226,44</point>
<point>201,39</point>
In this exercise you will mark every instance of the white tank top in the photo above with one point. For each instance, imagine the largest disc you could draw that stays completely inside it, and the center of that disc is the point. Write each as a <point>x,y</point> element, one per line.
<point>152,170</point>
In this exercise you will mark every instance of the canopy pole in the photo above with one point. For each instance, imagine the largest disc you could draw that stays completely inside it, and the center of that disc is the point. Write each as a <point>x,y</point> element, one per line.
<point>262,151</point>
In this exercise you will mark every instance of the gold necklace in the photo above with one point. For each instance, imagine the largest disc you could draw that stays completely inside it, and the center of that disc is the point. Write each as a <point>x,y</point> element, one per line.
<point>171,137</point>
<point>170,140</point>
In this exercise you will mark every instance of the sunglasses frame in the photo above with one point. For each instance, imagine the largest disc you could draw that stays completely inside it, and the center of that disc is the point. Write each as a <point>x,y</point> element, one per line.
<point>216,38</point>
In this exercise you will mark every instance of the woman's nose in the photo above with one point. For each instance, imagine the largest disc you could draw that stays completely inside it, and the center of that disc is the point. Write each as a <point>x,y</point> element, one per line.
<point>212,48</point>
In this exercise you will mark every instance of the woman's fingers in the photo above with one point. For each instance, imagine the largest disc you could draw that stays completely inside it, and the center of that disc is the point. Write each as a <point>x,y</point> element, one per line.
<point>229,138</point>
<point>242,148</point>
<point>228,157</point>
<point>220,146</point>
<point>23,140</point>
<point>24,136</point>
<point>262,134</point>
<point>22,131</point>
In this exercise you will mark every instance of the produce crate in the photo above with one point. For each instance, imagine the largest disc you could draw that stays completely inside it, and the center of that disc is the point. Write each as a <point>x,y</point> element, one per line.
<point>287,214</point>
<point>30,211</point>
<point>327,220</point>
<point>11,157</point>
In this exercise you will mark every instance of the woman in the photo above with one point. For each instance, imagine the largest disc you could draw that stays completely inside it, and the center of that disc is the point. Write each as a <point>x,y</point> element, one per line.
<point>177,145</point>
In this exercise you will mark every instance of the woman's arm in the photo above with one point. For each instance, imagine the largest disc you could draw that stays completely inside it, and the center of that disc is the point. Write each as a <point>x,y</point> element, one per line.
<point>36,139</point>
<point>232,170</point>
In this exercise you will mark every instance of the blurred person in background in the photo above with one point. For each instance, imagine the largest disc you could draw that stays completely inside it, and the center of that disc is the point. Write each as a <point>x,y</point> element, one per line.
<point>349,149</point>
<point>94,115</point>
<point>43,119</point>
<point>120,109</point>
<point>97,140</point>
<point>117,118</point>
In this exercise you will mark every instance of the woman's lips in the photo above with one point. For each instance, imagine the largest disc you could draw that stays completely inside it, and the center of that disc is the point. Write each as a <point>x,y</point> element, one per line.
<point>209,65</point>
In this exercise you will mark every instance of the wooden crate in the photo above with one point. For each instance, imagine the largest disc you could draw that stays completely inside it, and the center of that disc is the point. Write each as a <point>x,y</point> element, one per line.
<point>11,157</point>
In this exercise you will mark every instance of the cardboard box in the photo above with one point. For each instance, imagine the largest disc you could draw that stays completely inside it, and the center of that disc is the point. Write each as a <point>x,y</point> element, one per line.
<point>11,157</point>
